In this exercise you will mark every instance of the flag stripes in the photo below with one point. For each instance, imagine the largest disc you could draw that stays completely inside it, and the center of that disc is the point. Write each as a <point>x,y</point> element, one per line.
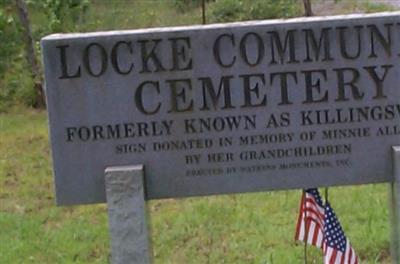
<point>318,225</point>
<point>332,256</point>
<point>310,222</point>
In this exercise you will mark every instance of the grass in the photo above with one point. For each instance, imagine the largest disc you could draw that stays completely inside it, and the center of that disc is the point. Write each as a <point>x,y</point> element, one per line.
<point>245,228</point>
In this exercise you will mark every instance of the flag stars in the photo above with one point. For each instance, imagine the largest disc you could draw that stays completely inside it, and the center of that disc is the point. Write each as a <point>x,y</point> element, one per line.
<point>333,230</point>
<point>337,248</point>
<point>316,195</point>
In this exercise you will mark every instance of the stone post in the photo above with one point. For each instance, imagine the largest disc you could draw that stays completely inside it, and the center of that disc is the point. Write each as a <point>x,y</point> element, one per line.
<point>130,243</point>
<point>396,205</point>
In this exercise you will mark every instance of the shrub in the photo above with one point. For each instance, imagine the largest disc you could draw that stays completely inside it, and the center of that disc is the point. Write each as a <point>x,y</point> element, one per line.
<point>186,5</point>
<point>236,10</point>
<point>16,86</point>
<point>62,15</point>
<point>11,57</point>
<point>227,10</point>
<point>267,9</point>
<point>10,37</point>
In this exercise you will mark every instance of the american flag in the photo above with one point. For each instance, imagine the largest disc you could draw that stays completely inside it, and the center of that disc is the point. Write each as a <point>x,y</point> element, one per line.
<point>337,248</point>
<point>310,224</point>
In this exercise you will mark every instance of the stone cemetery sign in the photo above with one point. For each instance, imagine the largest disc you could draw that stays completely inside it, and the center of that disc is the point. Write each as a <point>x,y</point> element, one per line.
<point>225,108</point>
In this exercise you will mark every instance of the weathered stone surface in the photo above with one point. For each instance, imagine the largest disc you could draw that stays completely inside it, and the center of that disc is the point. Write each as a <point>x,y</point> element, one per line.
<point>127,215</point>
<point>226,108</point>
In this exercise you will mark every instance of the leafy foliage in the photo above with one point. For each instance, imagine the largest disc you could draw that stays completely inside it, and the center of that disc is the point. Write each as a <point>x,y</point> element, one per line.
<point>50,16</point>
<point>63,15</point>
<point>16,83</point>
<point>185,5</point>
<point>9,35</point>
<point>235,10</point>
<point>10,53</point>
<point>266,9</point>
<point>228,11</point>
<point>251,228</point>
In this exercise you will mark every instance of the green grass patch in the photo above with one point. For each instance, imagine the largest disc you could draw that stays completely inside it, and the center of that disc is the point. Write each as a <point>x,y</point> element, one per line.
<point>245,228</point>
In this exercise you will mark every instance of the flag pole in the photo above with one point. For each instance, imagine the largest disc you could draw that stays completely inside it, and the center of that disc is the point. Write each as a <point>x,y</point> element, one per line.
<point>326,194</point>
<point>305,227</point>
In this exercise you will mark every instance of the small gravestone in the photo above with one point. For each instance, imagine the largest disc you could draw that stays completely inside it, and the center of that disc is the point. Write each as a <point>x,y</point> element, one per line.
<point>226,108</point>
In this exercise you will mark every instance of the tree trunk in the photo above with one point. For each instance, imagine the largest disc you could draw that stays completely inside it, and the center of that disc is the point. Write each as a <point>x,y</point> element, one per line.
<point>30,54</point>
<point>308,8</point>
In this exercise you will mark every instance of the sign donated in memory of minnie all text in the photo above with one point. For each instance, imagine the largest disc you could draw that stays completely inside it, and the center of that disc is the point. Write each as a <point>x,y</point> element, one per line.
<point>225,108</point>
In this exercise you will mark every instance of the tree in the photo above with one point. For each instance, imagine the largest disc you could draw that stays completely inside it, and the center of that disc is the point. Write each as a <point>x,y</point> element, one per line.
<point>31,54</point>
<point>308,8</point>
